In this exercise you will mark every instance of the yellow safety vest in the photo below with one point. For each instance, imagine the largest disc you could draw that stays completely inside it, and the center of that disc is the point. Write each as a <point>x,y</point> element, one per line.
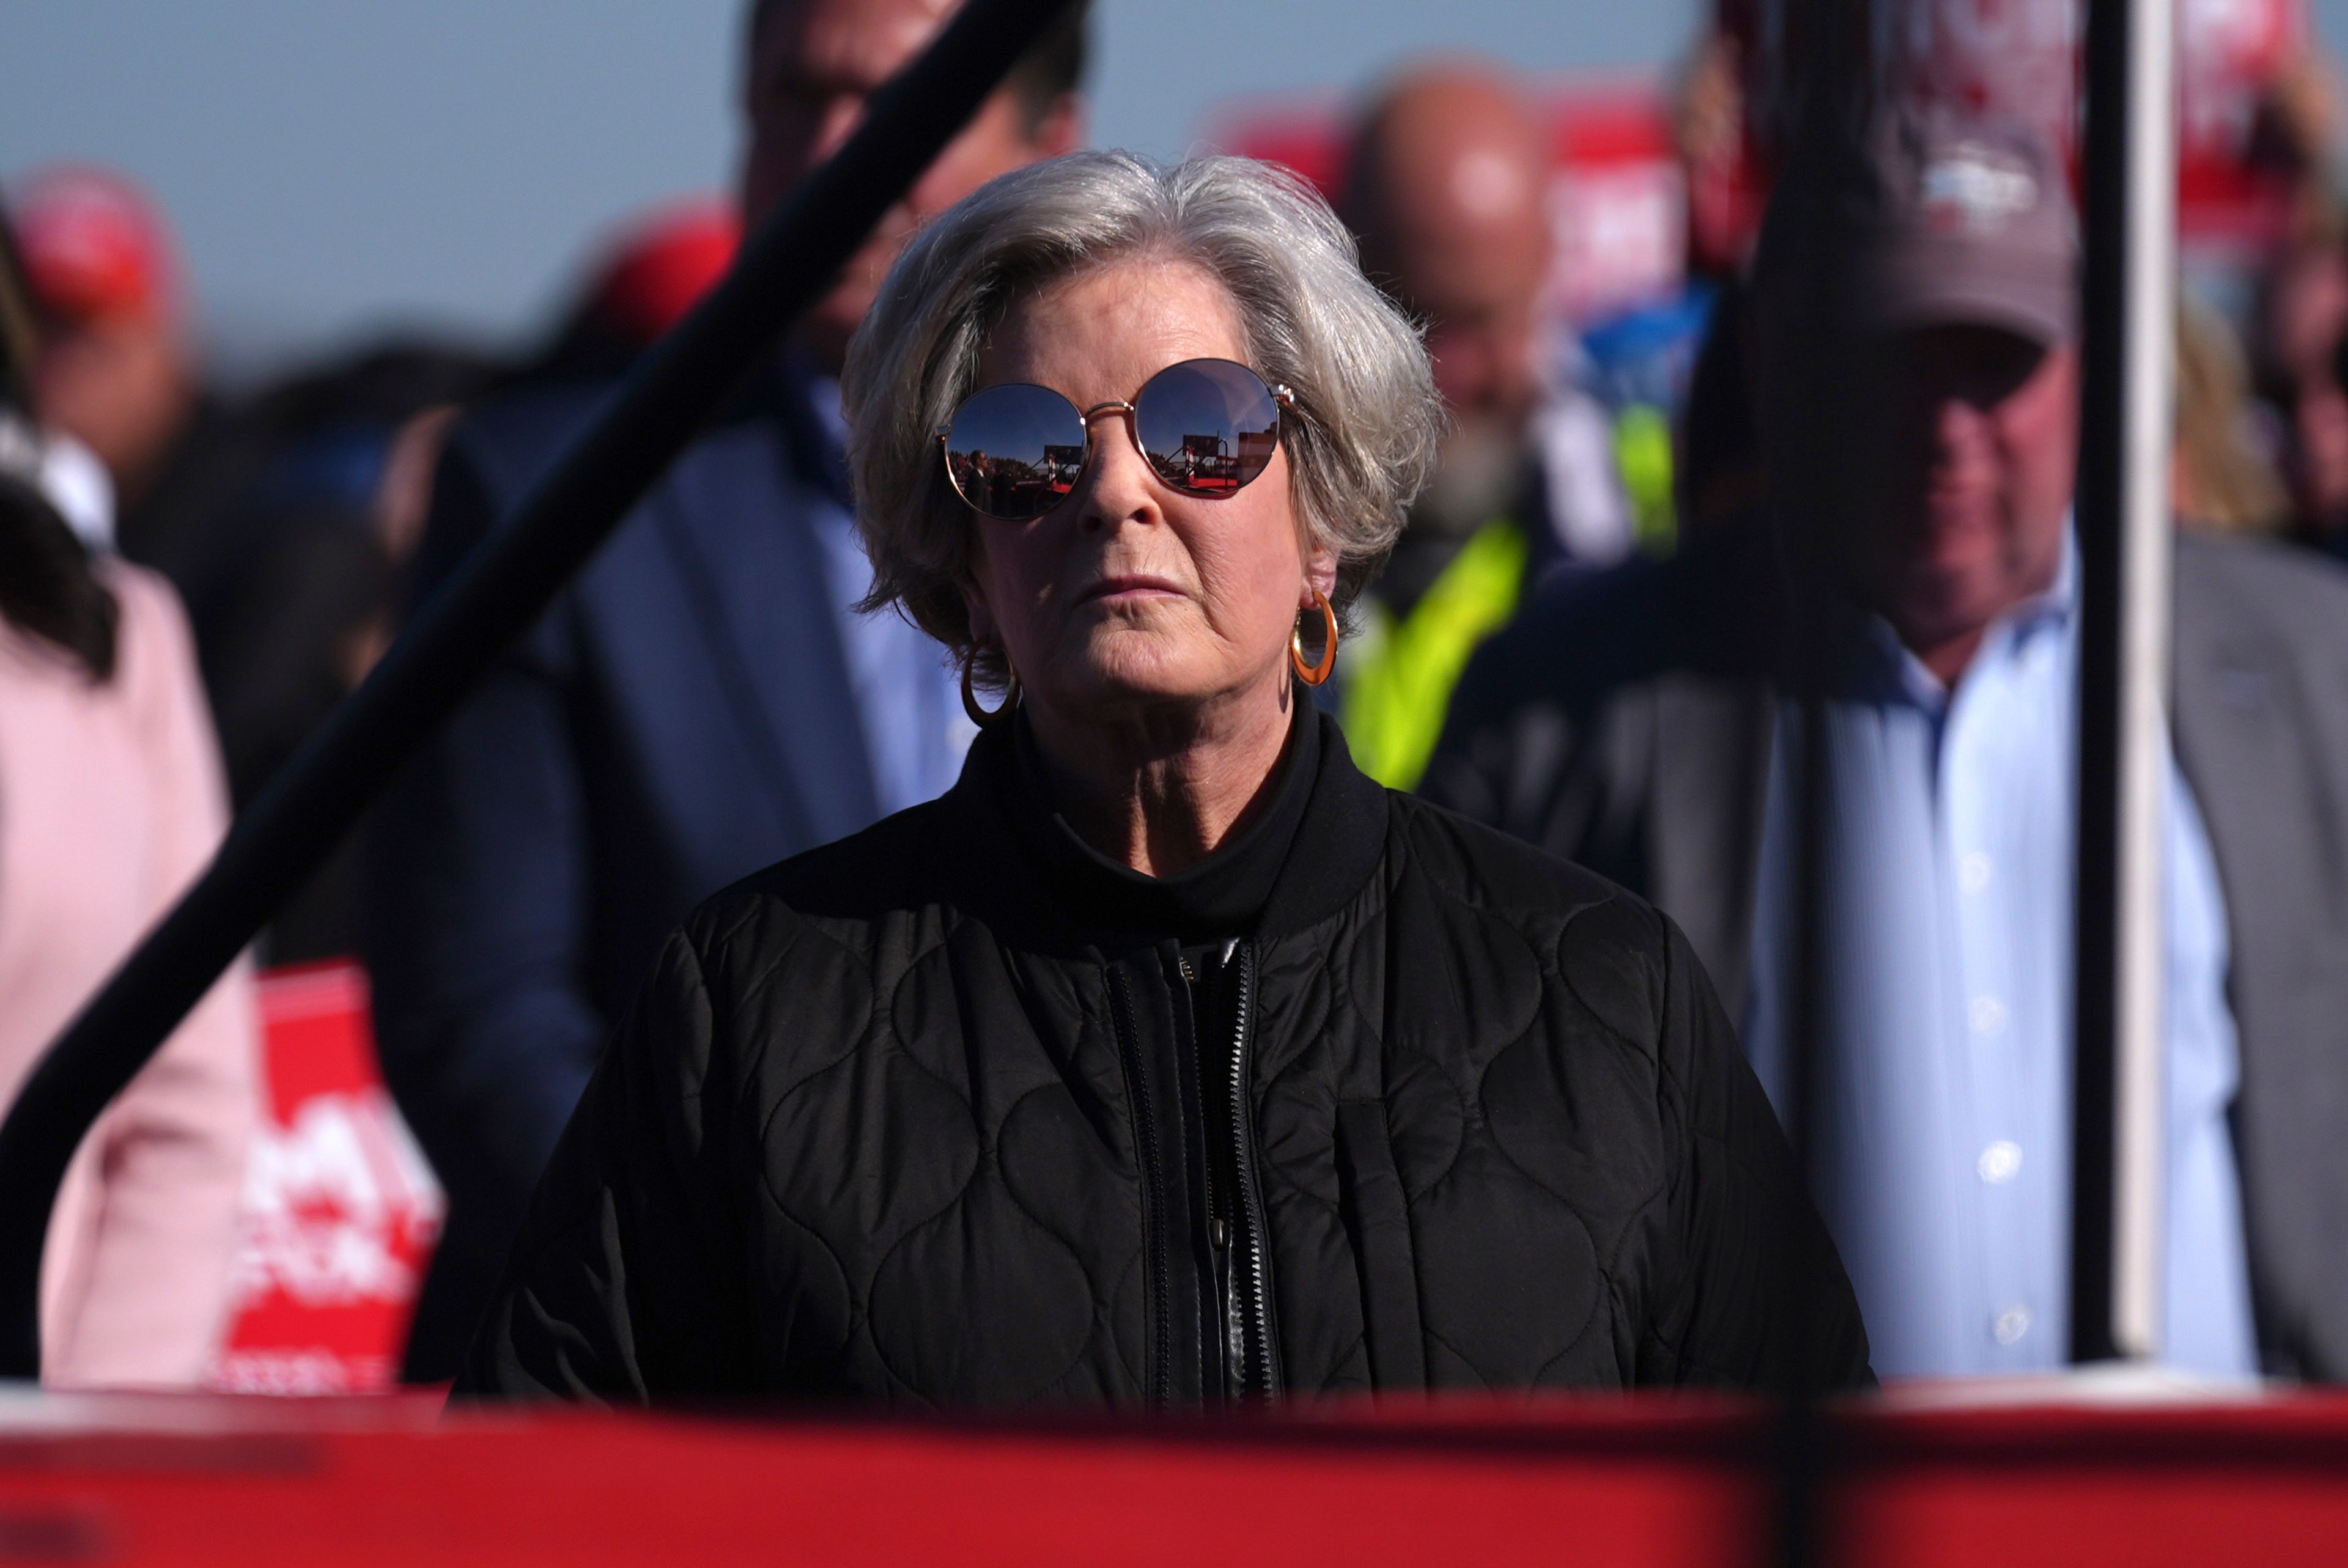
<point>1398,674</point>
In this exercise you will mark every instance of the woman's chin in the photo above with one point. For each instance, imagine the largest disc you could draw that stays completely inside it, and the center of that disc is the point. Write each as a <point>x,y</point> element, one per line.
<point>1129,673</point>
<point>1113,691</point>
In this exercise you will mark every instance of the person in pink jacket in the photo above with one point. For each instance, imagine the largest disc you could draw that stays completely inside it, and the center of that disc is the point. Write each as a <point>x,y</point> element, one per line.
<point>111,799</point>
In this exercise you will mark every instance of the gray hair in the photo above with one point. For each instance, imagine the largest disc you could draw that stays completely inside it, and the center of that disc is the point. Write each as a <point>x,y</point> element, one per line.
<point>1361,439</point>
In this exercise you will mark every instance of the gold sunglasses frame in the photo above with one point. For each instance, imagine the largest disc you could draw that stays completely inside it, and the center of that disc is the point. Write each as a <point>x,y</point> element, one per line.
<point>1283,397</point>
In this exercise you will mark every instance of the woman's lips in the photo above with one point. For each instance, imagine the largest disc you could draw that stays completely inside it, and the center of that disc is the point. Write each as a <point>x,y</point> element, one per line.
<point>1127,588</point>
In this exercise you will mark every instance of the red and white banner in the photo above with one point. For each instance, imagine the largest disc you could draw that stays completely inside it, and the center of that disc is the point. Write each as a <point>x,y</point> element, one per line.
<point>2236,63</point>
<point>340,1208</point>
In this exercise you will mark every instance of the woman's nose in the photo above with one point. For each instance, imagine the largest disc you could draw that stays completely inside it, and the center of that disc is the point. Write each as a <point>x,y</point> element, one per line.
<point>1122,487</point>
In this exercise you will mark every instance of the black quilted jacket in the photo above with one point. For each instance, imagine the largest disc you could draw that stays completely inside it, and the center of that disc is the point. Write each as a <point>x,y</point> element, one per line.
<point>895,1120</point>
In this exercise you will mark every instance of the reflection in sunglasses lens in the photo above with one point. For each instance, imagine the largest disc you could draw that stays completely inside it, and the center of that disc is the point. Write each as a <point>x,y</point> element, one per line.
<point>1014,450</point>
<point>1206,426</point>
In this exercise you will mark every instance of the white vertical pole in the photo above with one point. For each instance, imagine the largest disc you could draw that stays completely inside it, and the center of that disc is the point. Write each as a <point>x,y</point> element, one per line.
<point>2148,421</point>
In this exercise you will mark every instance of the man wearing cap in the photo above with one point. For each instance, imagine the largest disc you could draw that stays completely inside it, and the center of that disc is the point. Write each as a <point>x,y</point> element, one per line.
<point>1446,187</point>
<point>1635,723</point>
<point>699,702</point>
<point>119,372</point>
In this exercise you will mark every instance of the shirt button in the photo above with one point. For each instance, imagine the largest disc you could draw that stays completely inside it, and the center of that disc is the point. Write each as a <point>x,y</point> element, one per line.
<point>2000,1162</point>
<point>2011,1325</point>
<point>1987,1015</point>
<point>1973,871</point>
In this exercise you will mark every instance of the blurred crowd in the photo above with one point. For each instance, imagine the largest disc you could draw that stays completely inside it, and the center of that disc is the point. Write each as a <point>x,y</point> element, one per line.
<point>1578,640</point>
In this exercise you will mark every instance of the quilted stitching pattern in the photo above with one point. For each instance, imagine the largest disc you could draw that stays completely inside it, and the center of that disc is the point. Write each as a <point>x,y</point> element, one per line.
<point>960,1155</point>
<point>934,1119</point>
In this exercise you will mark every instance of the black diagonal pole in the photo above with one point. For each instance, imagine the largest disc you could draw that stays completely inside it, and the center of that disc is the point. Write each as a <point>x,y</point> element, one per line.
<point>2127,320</point>
<point>788,263</point>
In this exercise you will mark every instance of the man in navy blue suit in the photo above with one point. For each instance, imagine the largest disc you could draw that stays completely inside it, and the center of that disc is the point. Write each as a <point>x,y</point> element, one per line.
<point>702,702</point>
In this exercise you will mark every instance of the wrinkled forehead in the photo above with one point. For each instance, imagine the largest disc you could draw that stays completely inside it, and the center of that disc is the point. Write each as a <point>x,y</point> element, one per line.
<point>1097,332</point>
<point>841,46</point>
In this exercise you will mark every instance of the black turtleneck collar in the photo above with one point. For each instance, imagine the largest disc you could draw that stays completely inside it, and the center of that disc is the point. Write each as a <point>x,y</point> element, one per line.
<point>1221,895</point>
<point>1303,858</point>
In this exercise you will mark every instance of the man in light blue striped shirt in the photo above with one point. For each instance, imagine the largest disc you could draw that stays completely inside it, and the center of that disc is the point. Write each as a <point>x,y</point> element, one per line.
<point>1945,1128</point>
<point>1944,1124</point>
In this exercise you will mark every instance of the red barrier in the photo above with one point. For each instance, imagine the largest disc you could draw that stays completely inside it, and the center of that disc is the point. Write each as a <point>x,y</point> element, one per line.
<point>1585,1481</point>
<point>340,1218</point>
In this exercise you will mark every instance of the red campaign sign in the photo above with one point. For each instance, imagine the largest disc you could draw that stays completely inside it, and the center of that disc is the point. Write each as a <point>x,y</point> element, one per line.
<point>341,1210</point>
<point>2022,58</point>
<point>2236,63</point>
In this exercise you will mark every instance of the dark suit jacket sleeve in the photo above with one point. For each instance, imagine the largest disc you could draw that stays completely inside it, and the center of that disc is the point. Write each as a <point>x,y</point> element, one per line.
<point>621,1287</point>
<point>1476,766</point>
<point>478,900</point>
<point>1763,1301</point>
<point>1513,751</point>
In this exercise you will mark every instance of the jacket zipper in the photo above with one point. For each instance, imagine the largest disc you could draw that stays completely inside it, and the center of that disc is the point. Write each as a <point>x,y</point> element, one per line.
<point>1251,1262</point>
<point>1153,1222</point>
<point>1217,1236</point>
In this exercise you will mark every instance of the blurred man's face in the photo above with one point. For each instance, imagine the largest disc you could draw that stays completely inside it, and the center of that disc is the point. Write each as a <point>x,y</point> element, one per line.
<point>2317,456</point>
<point>1450,193</point>
<point>1482,307</point>
<point>812,66</point>
<point>121,386</point>
<point>1979,452</point>
<point>2306,312</point>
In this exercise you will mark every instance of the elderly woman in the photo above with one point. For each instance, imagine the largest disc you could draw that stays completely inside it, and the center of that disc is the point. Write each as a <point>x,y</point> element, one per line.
<point>1165,1059</point>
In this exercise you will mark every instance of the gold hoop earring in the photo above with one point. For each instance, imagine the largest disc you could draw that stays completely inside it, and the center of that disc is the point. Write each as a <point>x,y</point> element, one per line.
<point>1313,674</point>
<point>978,715</point>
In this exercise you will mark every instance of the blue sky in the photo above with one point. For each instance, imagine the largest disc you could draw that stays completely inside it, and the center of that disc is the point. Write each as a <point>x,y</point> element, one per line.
<point>335,166</point>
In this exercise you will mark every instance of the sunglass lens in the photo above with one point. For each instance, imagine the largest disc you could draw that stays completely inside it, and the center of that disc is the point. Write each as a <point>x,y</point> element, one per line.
<point>1012,451</point>
<point>1206,426</point>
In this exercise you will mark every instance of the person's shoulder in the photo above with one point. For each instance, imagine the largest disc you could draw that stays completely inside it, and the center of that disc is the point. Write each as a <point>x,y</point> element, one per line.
<point>501,446</point>
<point>1468,861</point>
<point>725,479</point>
<point>510,437</point>
<point>514,435</point>
<point>2266,578</point>
<point>845,889</point>
<point>1611,947</point>
<point>495,449</point>
<point>153,644</point>
<point>1573,626</point>
<point>145,597</point>
<point>1583,634</point>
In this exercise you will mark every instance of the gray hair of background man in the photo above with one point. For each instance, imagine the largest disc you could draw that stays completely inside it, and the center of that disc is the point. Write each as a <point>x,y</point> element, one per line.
<point>1361,440</point>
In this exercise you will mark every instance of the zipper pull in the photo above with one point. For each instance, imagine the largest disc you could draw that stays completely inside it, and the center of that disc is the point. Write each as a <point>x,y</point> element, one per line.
<point>1218,1233</point>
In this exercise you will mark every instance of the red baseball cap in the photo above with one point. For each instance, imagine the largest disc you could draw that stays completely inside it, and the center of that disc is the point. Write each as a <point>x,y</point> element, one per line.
<point>662,266</point>
<point>93,245</point>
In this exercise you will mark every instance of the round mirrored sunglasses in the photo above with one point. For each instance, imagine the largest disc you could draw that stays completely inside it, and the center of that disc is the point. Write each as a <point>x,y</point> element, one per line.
<point>1206,428</point>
